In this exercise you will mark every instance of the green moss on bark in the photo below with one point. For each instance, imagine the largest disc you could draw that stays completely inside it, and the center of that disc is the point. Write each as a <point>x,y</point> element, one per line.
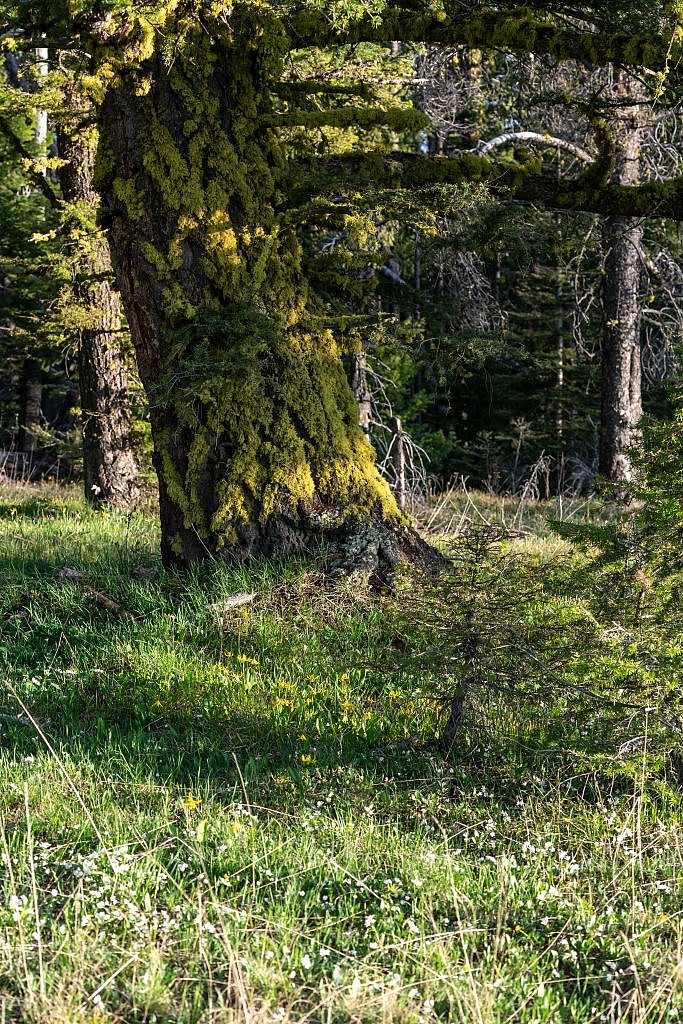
<point>253,419</point>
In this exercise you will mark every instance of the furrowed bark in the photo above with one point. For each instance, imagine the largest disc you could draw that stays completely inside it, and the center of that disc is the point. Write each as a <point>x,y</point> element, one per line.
<point>109,466</point>
<point>621,402</point>
<point>257,446</point>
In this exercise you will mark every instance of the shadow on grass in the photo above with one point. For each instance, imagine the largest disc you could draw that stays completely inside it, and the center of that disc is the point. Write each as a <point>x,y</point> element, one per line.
<point>127,689</point>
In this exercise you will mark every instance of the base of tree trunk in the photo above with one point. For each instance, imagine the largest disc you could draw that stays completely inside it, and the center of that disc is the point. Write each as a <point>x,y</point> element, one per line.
<point>454,722</point>
<point>369,548</point>
<point>374,550</point>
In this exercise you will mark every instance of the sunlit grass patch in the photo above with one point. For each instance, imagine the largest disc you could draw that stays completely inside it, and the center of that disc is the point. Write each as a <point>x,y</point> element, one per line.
<point>230,815</point>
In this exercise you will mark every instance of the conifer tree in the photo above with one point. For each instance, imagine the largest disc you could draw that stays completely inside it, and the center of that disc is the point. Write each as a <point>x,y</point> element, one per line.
<point>211,159</point>
<point>77,276</point>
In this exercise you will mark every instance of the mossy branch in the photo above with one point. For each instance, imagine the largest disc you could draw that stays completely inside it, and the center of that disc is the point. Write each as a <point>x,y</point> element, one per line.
<point>313,87</point>
<point>521,181</point>
<point>398,118</point>
<point>38,179</point>
<point>516,30</point>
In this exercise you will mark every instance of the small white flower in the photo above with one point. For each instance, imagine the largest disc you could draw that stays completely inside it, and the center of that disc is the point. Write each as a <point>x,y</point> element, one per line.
<point>411,926</point>
<point>306,962</point>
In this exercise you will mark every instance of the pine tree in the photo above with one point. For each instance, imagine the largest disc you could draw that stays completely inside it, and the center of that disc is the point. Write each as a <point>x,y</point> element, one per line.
<point>209,165</point>
<point>81,307</point>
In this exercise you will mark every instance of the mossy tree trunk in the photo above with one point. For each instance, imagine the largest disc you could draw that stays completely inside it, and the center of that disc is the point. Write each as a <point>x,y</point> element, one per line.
<point>257,445</point>
<point>110,473</point>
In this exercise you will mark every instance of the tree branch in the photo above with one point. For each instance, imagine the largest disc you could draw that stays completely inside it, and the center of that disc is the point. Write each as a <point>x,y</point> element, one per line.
<point>519,181</point>
<point>539,139</point>
<point>516,30</point>
<point>398,118</point>
<point>38,179</point>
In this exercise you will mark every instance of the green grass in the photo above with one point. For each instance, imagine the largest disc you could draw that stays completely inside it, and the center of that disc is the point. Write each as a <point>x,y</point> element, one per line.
<point>214,816</point>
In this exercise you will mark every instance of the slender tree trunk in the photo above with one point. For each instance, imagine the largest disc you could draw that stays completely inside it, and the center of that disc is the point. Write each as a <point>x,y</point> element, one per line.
<point>31,382</point>
<point>109,467</point>
<point>358,379</point>
<point>621,399</point>
<point>622,407</point>
<point>41,125</point>
<point>30,404</point>
<point>257,445</point>
<point>559,348</point>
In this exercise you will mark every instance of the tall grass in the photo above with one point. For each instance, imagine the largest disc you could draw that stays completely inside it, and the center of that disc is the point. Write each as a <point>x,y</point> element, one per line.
<point>212,812</point>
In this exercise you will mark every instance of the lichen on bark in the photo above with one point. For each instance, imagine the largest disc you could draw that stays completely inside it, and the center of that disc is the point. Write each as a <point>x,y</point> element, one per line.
<point>256,436</point>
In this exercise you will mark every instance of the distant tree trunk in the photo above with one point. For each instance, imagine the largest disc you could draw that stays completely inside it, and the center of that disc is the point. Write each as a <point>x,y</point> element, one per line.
<point>358,379</point>
<point>621,397</point>
<point>41,125</point>
<point>31,381</point>
<point>30,404</point>
<point>559,348</point>
<point>109,467</point>
<point>622,407</point>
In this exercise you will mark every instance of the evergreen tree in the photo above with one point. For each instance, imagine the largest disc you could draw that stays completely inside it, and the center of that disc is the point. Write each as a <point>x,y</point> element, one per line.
<point>76,279</point>
<point>209,165</point>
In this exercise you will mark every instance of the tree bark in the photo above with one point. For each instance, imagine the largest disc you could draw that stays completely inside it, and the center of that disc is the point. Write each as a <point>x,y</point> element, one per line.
<point>621,398</point>
<point>30,404</point>
<point>109,466</point>
<point>358,380</point>
<point>257,445</point>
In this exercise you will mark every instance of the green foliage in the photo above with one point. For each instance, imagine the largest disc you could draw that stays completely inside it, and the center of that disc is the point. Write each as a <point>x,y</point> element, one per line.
<point>636,567</point>
<point>509,627</point>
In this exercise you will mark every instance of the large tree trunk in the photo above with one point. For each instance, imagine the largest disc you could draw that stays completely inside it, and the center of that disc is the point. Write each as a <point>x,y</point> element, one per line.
<point>621,400</point>
<point>257,445</point>
<point>109,467</point>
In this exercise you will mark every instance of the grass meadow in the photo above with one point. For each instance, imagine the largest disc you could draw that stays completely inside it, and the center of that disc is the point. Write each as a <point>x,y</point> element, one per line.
<point>222,812</point>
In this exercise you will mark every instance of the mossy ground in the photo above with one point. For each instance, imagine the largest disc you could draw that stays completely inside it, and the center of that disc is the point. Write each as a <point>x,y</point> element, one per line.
<point>212,815</point>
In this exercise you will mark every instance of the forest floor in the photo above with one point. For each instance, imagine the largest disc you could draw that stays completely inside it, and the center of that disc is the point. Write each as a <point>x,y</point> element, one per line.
<point>214,812</point>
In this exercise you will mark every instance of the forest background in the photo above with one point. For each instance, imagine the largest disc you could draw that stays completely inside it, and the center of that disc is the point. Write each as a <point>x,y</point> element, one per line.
<point>497,332</point>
